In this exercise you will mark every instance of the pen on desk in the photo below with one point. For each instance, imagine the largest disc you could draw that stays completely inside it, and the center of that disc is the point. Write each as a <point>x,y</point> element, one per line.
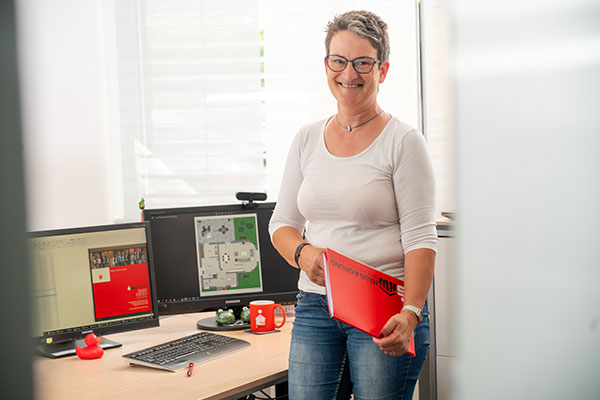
<point>190,369</point>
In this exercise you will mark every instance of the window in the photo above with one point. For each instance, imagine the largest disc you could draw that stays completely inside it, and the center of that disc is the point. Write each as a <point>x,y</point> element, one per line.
<point>209,100</point>
<point>437,121</point>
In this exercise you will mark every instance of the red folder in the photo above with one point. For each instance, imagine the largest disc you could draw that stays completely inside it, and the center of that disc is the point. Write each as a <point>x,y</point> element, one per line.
<point>360,295</point>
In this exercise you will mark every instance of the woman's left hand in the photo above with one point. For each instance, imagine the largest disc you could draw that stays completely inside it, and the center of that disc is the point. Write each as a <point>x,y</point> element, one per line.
<point>396,334</point>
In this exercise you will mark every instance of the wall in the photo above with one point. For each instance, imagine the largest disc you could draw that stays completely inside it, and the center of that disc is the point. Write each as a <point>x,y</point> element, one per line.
<point>527,89</point>
<point>63,83</point>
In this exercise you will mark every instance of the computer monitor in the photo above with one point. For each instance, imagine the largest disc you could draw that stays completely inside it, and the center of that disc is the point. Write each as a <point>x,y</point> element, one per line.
<point>217,256</point>
<point>90,280</point>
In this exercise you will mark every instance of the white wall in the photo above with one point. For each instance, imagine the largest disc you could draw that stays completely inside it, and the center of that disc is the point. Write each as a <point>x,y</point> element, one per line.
<point>527,96</point>
<point>63,87</point>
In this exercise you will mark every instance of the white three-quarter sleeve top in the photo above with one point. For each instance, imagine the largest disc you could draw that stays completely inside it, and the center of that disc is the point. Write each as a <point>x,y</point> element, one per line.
<point>374,206</point>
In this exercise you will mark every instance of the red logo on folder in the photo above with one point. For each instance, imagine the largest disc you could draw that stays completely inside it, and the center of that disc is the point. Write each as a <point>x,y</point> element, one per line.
<point>388,286</point>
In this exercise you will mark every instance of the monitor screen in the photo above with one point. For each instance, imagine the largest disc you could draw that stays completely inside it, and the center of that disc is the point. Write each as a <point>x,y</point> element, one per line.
<point>213,257</point>
<point>91,280</point>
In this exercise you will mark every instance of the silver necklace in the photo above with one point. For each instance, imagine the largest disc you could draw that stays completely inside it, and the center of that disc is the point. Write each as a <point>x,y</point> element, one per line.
<point>349,128</point>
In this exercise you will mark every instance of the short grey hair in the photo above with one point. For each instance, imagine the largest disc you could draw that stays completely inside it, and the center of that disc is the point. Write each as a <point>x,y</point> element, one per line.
<point>364,24</point>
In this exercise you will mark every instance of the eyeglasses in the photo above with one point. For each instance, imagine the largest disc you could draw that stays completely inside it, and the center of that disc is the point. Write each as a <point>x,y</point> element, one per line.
<point>362,65</point>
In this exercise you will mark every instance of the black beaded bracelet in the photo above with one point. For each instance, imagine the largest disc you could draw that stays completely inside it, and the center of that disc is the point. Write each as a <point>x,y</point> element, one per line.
<point>297,252</point>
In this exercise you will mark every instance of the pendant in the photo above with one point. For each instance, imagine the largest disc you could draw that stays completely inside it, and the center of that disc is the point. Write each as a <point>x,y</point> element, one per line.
<point>349,128</point>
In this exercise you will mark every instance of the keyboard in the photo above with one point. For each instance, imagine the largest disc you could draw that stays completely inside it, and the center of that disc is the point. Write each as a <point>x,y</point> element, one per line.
<point>177,354</point>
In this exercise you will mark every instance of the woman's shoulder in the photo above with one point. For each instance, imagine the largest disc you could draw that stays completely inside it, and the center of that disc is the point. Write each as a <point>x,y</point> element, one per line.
<point>314,128</point>
<point>400,138</point>
<point>310,133</point>
<point>398,130</point>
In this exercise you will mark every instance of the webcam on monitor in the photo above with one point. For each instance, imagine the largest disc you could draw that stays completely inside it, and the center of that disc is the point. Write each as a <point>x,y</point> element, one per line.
<point>250,197</point>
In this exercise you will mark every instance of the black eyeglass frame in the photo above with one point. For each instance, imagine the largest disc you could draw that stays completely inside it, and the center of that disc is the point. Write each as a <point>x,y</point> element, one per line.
<point>353,62</point>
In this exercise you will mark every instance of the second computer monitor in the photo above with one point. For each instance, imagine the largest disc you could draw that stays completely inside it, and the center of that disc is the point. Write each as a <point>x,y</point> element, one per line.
<point>97,279</point>
<point>213,257</point>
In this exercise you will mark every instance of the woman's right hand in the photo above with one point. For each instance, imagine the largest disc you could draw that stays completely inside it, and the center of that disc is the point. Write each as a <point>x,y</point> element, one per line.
<point>311,262</point>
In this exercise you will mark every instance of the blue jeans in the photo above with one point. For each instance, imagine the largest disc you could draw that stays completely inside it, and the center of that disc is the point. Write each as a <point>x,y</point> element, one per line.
<point>330,359</point>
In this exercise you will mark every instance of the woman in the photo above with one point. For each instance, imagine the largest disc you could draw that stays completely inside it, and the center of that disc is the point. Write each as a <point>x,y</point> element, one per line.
<point>361,183</point>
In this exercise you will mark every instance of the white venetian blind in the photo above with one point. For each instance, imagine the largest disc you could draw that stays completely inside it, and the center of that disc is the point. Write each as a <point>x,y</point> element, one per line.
<point>212,92</point>
<point>191,109</point>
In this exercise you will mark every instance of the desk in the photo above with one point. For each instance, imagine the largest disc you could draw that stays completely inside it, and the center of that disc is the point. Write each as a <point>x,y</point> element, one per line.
<point>261,365</point>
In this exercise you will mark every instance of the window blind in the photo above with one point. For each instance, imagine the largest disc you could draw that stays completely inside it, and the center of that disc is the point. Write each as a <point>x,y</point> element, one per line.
<point>211,93</point>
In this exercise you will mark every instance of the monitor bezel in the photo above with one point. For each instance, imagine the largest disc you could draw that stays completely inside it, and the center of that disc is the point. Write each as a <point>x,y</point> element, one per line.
<point>212,303</point>
<point>125,326</point>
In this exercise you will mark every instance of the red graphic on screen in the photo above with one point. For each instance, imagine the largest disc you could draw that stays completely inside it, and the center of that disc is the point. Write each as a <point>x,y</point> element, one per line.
<point>120,282</point>
<point>127,292</point>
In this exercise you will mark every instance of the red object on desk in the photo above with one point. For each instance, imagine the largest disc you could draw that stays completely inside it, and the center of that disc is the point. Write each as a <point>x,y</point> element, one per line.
<point>190,369</point>
<point>92,350</point>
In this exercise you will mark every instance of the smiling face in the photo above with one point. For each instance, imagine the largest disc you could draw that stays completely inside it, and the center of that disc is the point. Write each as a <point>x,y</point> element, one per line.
<point>353,91</point>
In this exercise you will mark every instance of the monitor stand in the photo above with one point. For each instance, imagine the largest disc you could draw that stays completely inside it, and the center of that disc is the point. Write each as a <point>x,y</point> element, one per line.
<point>64,349</point>
<point>210,324</point>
